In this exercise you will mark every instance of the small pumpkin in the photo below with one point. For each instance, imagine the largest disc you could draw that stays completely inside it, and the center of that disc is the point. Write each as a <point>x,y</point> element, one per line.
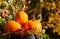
<point>12,26</point>
<point>21,17</point>
<point>33,25</point>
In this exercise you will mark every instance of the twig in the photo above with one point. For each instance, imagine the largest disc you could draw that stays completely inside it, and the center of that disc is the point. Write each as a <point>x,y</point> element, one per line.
<point>4,34</point>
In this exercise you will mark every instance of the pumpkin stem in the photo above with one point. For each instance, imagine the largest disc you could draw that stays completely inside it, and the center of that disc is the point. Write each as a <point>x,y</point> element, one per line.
<point>23,7</point>
<point>33,17</point>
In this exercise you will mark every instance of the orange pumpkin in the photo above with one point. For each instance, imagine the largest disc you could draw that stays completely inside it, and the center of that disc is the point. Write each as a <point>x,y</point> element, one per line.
<point>33,24</point>
<point>12,26</point>
<point>21,17</point>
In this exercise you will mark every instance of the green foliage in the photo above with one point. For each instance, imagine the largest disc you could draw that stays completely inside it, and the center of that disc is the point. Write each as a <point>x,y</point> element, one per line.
<point>2,21</point>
